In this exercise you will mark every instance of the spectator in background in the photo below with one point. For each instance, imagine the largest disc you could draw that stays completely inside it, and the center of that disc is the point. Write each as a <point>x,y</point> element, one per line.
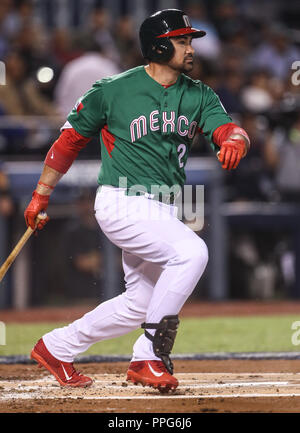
<point>255,178</point>
<point>228,20</point>
<point>81,242</point>
<point>100,29</point>
<point>253,254</point>
<point>20,15</point>
<point>32,44</point>
<point>262,93</point>
<point>11,101</point>
<point>125,37</point>
<point>15,15</point>
<point>23,96</point>
<point>206,71</point>
<point>5,9</point>
<point>290,101</point>
<point>63,47</point>
<point>240,42</point>
<point>11,104</point>
<point>209,48</point>
<point>276,52</point>
<point>287,160</point>
<point>7,205</point>
<point>78,76</point>
<point>27,35</point>
<point>229,91</point>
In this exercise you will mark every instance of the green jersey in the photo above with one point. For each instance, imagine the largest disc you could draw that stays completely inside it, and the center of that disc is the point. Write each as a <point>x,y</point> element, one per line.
<point>146,130</point>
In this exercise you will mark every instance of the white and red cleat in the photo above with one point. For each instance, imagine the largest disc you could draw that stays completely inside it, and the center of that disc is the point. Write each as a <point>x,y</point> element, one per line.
<point>64,372</point>
<point>151,373</point>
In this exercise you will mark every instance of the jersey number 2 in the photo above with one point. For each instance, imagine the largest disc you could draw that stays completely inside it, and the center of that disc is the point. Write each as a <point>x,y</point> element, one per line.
<point>181,149</point>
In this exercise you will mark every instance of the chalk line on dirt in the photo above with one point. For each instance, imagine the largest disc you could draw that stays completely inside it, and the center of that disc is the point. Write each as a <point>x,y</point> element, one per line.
<point>191,386</point>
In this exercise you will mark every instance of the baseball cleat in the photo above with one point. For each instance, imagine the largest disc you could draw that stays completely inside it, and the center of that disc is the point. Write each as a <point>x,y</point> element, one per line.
<point>64,372</point>
<point>151,373</point>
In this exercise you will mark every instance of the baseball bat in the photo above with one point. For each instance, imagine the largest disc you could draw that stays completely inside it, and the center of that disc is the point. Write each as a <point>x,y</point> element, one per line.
<point>10,259</point>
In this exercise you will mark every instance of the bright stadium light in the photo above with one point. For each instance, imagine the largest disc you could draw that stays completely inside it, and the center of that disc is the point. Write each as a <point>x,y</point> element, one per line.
<point>45,74</point>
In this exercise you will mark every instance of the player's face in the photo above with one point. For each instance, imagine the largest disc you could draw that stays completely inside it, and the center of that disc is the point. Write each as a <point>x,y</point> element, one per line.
<point>184,54</point>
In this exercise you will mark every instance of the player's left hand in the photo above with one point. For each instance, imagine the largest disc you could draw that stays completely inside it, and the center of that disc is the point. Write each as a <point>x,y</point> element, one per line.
<point>231,153</point>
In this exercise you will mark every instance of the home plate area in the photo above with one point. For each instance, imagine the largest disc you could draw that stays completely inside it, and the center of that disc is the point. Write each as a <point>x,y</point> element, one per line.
<point>197,392</point>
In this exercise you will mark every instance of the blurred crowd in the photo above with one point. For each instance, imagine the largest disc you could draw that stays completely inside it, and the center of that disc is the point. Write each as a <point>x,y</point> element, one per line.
<point>53,51</point>
<point>248,59</point>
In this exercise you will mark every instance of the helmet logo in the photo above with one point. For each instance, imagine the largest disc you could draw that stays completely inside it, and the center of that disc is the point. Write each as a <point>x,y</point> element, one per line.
<point>156,31</point>
<point>186,21</point>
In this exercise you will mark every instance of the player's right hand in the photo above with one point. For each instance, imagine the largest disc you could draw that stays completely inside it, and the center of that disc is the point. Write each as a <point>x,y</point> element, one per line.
<point>38,203</point>
<point>232,151</point>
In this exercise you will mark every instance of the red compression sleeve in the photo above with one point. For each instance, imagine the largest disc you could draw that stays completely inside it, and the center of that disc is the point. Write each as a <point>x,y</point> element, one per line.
<point>65,150</point>
<point>223,132</point>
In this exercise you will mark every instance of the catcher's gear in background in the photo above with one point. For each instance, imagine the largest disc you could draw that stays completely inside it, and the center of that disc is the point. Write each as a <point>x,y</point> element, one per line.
<point>231,153</point>
<point>39,202</point>
<point>156,30</point>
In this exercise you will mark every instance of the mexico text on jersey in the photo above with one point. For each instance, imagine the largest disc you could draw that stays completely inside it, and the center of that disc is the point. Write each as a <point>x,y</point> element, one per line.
<point>145,129</point>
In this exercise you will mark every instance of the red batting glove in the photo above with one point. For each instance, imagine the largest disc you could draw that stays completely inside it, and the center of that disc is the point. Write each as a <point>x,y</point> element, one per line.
<point>231,153</point>
<point>38,203</point>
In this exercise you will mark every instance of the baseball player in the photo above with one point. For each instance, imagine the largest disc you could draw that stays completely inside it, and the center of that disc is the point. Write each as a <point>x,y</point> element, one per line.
<point>147,118</point>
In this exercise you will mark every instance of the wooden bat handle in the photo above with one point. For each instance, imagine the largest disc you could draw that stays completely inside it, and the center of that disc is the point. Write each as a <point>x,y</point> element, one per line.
<point>10,259</point>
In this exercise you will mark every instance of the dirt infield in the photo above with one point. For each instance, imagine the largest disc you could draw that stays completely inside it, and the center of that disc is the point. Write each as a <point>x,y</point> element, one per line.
<point>204,386</point>
<point>233,386</point>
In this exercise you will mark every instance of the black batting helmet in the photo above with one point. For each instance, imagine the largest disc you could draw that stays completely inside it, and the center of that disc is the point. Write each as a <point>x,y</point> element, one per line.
<point>156,30</point>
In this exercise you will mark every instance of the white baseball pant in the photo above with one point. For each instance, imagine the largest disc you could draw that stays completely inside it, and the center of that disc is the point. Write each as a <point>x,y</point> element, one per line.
<point>163,260</point>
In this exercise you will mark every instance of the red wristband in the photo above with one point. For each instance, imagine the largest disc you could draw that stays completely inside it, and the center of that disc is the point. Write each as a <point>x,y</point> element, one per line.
<point>223,132</point>
<point>44,184</point>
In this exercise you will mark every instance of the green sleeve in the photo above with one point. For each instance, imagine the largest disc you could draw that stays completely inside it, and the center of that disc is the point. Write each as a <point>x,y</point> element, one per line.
<point>212,115</point>
<point>89,114</point>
